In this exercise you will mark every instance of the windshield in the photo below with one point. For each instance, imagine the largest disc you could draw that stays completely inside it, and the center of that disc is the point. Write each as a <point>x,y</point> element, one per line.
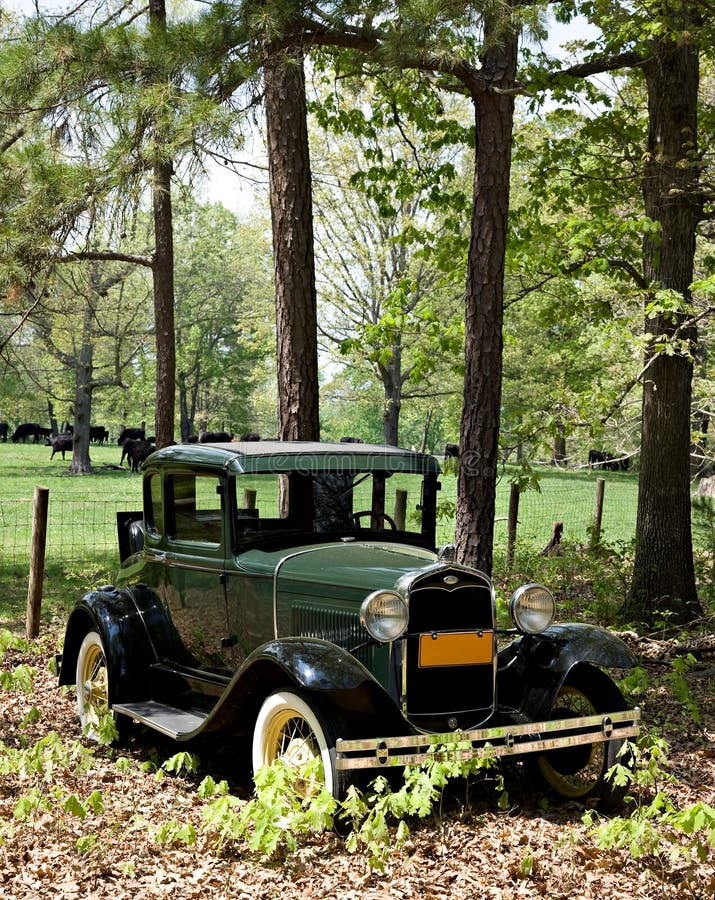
<point>327,505</point>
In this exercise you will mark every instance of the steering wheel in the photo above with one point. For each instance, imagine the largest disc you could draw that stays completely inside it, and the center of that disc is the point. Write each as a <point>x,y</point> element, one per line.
<point>380,516</point>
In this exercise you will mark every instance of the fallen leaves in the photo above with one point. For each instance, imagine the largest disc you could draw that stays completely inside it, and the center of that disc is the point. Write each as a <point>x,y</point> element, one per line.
<point>464,852</point>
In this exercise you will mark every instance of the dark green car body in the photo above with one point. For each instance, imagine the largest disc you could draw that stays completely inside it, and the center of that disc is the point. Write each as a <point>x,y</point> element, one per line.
<point>254,568</point>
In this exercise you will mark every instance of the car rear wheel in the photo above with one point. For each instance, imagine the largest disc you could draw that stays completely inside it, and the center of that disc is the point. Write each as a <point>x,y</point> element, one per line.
<point>294,729</point>
<point>92,680</point>
<point>578,772</point>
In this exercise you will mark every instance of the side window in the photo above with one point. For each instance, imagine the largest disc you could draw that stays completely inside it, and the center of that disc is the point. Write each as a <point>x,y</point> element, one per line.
<point>153,505</point>
<point>196,508</point>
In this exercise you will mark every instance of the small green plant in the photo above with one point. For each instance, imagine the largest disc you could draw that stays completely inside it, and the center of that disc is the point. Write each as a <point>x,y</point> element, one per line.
<point>181,762</point>
<point>656,828</point>
<point>280,811</point>
<point>376,820</point>
<point>42,760</point>
<point>20,677</point>
<point>379,817</point>
<point>679,687</point>
<point>635,683</point>
<point>174,834</point>
<point>104,729</point>
<point>10,641</point>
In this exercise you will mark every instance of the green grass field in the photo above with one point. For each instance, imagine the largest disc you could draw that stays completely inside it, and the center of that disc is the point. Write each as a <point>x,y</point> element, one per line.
<point>82,546</point>
<point>82,509</point>
<point>81,540</point>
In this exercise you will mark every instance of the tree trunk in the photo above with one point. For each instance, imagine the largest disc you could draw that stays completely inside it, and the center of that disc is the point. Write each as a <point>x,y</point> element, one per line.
<point>294,266</point>
<point>391,376</point>
<point>663,576</point>
<point>84,371</point>
<point>184,420</point>
<point>479,436</point>
<point>559,455</point>
<point>51,415</point>
<point>163,277</point>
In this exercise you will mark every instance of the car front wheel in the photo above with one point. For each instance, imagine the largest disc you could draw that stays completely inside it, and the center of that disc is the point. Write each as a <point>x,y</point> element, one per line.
<point>578,772</point>
<point>92,680</point>
<point>291,728</point>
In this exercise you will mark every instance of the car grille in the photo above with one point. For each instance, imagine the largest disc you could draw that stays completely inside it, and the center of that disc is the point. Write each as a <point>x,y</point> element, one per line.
<point>340,626</point>
<point>454,605</point>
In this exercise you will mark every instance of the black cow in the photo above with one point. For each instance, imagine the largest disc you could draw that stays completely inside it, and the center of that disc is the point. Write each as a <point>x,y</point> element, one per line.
<point>60,443</point>
<point>617,464</point>
<point>136,451</point>
<point>134,433</point>
<point>596,458</point>
<point>599,459</point>
<point>24,431</point>
<point>98,433</point>
<point>3,432</point>
<point>214,437</point>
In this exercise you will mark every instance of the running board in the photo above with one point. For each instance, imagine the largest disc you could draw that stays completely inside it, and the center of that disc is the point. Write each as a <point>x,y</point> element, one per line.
<point>178,724</point>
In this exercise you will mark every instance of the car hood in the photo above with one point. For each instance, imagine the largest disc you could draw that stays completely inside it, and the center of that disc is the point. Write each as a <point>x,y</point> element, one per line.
<point>363,566</point>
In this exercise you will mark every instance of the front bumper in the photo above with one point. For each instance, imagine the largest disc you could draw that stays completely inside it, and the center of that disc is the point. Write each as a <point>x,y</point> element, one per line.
<point>507,740</point>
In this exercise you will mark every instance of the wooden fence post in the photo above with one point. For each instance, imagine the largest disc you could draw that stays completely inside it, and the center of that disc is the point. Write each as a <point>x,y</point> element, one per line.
<point>400,509</point>
<point>598,513</point>
<point>37,562</point>
<point>249,499</point>
<point>512,522</point>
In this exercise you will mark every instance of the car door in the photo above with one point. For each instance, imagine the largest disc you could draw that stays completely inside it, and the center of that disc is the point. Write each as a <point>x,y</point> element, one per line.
<point>194,586</point>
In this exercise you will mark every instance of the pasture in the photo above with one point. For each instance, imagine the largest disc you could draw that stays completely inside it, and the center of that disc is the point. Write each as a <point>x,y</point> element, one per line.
<point>81,540</point>
<point>82,508</point>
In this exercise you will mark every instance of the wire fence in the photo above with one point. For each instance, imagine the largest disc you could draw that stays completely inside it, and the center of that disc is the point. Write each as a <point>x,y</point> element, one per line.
<point>77,530</point>
<point>85,530</point>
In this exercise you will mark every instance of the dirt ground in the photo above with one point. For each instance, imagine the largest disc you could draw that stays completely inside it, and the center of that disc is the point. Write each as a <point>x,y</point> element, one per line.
<point>475,850</point>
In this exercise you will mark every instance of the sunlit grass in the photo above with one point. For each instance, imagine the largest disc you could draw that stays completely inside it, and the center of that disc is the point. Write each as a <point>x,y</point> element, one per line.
<point>81,541</point>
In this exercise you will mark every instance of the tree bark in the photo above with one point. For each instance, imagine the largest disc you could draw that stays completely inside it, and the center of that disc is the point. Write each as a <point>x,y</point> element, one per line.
<point>663,576</point>
<point>84,386</point>
<point>163,277</point>
<point>479,435</point>
<point>163,280</point>
<point>392,380</point>
<point>184,418</point>
<point>294,265</point>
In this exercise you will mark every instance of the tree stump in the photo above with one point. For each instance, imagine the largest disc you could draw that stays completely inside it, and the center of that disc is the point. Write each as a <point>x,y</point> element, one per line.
<point>553,548</point>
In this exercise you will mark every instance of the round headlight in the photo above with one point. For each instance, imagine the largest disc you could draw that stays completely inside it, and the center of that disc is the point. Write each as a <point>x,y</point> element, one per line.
<point>532,608</point>
<point>384,616</point>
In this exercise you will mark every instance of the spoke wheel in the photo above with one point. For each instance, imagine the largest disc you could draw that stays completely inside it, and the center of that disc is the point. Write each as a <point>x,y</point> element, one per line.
<point>92,684</point>
<point>293,729</point>
<point>575,773</point>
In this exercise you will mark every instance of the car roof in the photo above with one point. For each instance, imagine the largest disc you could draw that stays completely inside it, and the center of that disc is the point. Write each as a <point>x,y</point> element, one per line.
<point>291,456</point>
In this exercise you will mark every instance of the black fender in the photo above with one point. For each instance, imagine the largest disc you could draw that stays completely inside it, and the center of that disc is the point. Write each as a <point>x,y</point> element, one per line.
<point>337,681</point>
<point>533,667</point>
<point>114,614</point>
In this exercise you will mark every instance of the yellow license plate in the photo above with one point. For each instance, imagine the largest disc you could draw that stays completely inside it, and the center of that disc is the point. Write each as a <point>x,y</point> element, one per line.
<point>456,648</point>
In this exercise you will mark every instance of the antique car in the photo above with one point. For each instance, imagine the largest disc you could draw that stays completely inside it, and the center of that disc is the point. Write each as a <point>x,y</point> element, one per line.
<point>292,593</point>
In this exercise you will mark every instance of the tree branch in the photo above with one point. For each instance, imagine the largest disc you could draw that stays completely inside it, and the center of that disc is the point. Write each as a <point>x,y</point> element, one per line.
<point>628,60</point>
<point>110,255</point>
<point>11,139</point>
